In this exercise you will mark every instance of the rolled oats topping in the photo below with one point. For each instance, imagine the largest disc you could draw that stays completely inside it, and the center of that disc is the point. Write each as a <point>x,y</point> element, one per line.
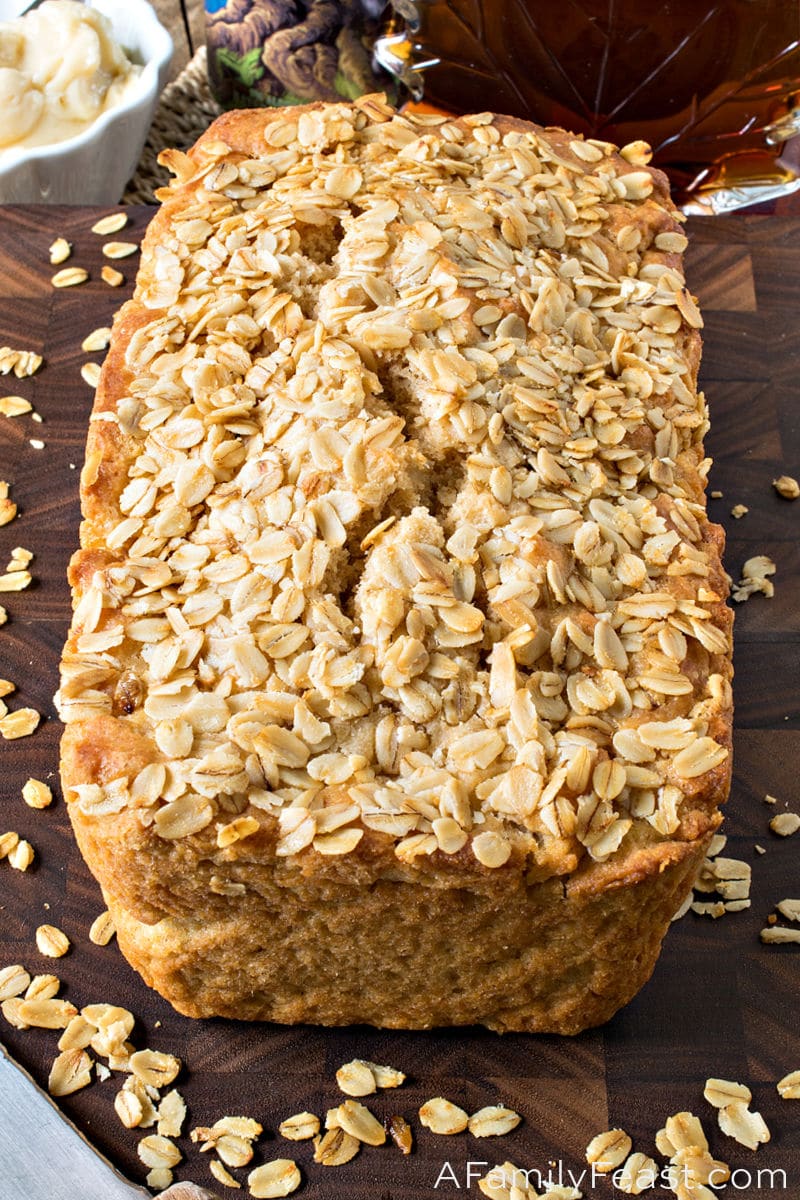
<point>411,543</point>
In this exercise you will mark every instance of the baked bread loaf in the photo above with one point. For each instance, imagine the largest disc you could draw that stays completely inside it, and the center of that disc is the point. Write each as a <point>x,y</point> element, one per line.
<point>398,685</point>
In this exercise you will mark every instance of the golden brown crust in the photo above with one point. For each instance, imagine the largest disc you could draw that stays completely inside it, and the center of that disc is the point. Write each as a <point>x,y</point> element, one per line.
<point>515,722</point>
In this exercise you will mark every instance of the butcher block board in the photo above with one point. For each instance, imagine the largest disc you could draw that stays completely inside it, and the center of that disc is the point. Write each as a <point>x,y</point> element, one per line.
<point>720,1002</point>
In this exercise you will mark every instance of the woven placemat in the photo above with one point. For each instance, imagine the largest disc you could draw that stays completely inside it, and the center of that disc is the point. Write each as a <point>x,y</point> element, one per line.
<point>185,110</point>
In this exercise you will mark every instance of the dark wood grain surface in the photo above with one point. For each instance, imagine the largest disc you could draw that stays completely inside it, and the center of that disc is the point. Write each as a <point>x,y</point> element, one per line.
<point>719,1003</point>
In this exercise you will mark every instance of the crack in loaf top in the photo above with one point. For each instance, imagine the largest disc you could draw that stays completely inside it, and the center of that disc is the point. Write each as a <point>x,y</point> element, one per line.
<point>394,501</point>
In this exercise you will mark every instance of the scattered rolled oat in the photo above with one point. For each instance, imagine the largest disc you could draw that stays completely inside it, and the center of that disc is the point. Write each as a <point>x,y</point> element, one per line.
<point>711,908</point>
<point>119,249</point>
<point>222,1174</point>
<point>20,558</point>
<point>787,487</point>
<point>111,276</point>
<point>399,1131</point>
<point>14,406</point>
<point>785,824</point>
<point>7,842</point>
<point>90,373</point>
<point>171,1114</point>
<point>789,1086</point>
<point>71,1071</point>
<point>47,1014</point>
<point>159,1178</point>
<point>747,1128</point>
<point>22,362</point>
<point>77,1035</point>
<point>37,443</point>
<point>69,277</point>
<point>507,1182</point>
<point>37,794</point>
<point>721,1092</point>
<point>299,1128</point>
<point>637,1175</point>
<point>128,1108</point>
<point>779,935</point>
<point>15,581</point>
<point>231,1137</point>
<point>158,1152</point>
<point>102,930</point>
<point>681,1131</point>
<point>770,799</point>
<point>493,1121</point>
<point>20,723</point>
<point>154,1068</point>
<point>43,987</point>
<point>110,224</point>
<point>280,1177</point>
<point>51,941</point>
<point>8,509</point>
<point>739,510</point>
<point>360,1123</point>
<point>755,579</point>
<point>717,495</point>
<point>386,1077</point>
<point>440,1116</point>
<point>7,687</point>
<point>333,1149</point>
<point>60,251</point>
<point>10,1010</point>
<point>13,981</point>
<point>790,909</point>
<point>356,1079</point>
<point>98,339</point>
<point>21,856</point>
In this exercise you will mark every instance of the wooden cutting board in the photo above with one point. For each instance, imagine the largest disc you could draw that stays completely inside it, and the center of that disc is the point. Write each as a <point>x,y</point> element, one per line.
<point>720,1003</point>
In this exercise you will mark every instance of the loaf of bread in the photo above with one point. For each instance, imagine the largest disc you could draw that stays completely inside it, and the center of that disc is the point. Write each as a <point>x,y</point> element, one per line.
<point>398,685</point>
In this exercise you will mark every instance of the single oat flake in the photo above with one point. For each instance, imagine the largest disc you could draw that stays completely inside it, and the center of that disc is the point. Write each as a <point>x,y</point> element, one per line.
<point>493,1121</point>
<point>113,223</point>
<point>51,941</point>
<point>299,1128</point>
<point>69,277</point>
<point>37,794</point>
<point>789,1086</point>
<point>787,486</point>
<point>443,1117</point>
<point>280,1177</point>
<point>785,824</point>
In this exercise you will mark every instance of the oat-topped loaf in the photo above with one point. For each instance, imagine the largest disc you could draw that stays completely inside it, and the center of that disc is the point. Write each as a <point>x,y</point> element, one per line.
<point>398,686</point>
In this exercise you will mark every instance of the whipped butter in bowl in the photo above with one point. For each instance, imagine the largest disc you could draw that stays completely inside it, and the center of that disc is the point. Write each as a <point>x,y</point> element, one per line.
<point>78,87</point>
<point>60,68</point>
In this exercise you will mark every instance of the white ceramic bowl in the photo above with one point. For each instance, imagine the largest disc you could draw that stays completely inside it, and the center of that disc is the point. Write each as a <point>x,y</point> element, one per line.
<point>94,166</point>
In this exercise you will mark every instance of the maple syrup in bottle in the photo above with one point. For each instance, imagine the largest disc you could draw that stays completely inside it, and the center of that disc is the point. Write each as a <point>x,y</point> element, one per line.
<point>712,85</point>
